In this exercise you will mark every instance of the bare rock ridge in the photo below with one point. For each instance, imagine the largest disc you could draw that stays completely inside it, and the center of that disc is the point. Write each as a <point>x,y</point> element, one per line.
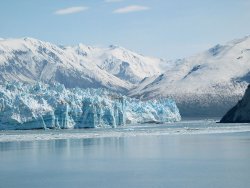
<point>240,113</point>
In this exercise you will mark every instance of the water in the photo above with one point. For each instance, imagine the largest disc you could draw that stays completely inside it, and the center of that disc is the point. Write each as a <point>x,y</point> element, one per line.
<point>190,154</point>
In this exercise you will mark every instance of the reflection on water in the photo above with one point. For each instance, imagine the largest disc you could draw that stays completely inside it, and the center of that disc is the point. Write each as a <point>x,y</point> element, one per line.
<point>221,160</point>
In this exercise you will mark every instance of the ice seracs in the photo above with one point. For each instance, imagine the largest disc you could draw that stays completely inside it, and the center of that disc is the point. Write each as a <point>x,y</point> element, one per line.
<point>40,106</point>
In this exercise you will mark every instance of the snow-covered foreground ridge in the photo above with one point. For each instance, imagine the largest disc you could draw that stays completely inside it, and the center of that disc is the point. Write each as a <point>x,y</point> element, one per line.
<point>206,84</point>
<point>27,106</point>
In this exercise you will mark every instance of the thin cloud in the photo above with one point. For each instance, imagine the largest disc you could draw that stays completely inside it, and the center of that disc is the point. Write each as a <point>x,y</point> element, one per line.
<point>132,8</point>
<point>70,10</point>
<point>112,1</point>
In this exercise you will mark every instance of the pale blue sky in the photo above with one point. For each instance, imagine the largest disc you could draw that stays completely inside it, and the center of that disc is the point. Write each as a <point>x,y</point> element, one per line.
<point>162,28</point>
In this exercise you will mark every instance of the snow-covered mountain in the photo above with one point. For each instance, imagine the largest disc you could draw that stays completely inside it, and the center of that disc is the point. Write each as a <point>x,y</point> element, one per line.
<point>205,84</point>
<point>31,60</point>
<point>120,62</point>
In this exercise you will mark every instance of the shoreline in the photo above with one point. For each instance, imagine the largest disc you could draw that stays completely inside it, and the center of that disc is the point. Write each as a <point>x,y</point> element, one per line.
<point>29,136</point>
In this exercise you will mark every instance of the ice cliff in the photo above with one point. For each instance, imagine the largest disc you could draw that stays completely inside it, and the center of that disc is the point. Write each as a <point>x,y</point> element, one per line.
<point>36,106</point>
<point>240,112</point>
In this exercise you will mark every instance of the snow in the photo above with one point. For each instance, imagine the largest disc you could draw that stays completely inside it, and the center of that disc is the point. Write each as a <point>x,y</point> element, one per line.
<point>223,65</point>
<point>30,60</point>
<point>221,72</point>
<point>120,62</point>
<point>36,106</point>
<point>214,79</point>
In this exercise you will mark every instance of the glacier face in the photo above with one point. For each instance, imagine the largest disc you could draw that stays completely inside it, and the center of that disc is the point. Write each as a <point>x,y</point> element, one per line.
<point>36,106</point>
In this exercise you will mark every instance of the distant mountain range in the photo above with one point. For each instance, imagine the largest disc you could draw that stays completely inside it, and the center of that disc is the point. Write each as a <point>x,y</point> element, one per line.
<point>207,84</point>
<point>31,60</point>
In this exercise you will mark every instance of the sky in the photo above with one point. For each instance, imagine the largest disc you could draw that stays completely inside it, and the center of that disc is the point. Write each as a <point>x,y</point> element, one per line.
<point>168,29</point>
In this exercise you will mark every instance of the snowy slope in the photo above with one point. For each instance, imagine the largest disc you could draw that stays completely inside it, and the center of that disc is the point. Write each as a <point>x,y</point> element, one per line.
<point>120,62</point>
<point>31,60</point>
<point>214,79</point>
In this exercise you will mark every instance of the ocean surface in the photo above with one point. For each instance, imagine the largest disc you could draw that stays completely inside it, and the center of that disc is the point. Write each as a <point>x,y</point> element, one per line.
<point>188,154</point>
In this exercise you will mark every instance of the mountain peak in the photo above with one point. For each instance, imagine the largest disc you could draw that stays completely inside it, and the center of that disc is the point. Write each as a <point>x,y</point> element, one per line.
<point>32,40</point>
<point>84,66</point>
<point>112,46</point>
<point>83,46</point>
<point>116,47</point>
<point>239,41</point>
<point>29,39</point>
<point>216,49</point>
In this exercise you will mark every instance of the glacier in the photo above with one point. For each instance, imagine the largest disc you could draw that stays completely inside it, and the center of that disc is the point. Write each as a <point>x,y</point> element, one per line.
<point>205,84</point>
<point>42,106</point>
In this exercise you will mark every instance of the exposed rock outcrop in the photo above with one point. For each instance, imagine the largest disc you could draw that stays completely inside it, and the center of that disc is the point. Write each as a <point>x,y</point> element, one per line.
<point>241,112</point>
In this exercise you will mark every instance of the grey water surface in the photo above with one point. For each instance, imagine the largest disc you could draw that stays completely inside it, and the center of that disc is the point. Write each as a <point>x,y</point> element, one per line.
<point>176,161</point>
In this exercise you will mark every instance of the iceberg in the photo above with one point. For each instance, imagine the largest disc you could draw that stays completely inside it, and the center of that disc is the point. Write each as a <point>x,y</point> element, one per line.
<point>41,106</point>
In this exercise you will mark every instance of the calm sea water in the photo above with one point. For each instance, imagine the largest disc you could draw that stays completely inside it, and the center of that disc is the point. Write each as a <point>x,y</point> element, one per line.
<point>146,158</point>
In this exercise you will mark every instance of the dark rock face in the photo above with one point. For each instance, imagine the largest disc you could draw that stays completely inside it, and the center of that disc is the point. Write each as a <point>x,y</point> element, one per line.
<point>239,113</point>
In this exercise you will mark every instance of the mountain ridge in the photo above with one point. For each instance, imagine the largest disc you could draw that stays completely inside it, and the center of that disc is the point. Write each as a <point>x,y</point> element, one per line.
<point>31,60</point>
<point>208,83</point>
<point>205,79</point>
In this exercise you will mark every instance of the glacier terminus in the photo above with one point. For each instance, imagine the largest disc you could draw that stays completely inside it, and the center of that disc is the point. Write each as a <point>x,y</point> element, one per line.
<point>41,106</point>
